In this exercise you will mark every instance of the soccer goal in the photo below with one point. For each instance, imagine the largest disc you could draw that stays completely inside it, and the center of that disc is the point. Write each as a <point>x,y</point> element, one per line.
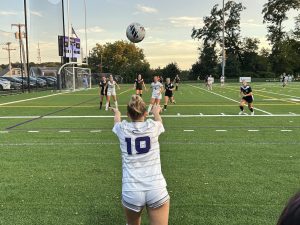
<point>76,78</point>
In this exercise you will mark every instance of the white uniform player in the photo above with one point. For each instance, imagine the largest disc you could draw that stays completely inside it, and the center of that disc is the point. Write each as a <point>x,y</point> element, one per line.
<point>111,91</point>
<point>111,88</point>
<point>210,81</point>
<point>156,90</point>
<point>143,182</point>
<point>222,81</point>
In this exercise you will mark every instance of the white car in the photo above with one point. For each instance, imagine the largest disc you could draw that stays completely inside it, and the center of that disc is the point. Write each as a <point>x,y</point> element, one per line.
<point>4,84</point>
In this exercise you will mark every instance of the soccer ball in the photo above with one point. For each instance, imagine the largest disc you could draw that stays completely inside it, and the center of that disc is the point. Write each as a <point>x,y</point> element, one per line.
<point>135,32</point>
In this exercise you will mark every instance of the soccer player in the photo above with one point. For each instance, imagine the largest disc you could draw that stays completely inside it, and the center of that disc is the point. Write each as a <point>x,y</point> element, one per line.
<point>284,80</point>
<point>210,80</point>
<point>247,98</point>
<point>222,81</point>
<point>111,91</point>
<point>177,79</point>
<point>143,184</point>
<point>169,88</point>
<point>157,89</point>
<point>138,85</point>
<point>103,90</point>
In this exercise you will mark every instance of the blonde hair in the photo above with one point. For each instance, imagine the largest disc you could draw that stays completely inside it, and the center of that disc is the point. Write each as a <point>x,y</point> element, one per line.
<point>136,107</point>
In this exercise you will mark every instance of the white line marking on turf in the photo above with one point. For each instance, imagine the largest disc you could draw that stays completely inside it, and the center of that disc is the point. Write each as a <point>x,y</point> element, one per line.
<point>286,130</point>
<point>223,114</point>
<point>229,98</point>
<point>253,130</point>
<point>164,116</point>
<point>3,132</point>
<point>188,130</point>
<point>95,131</point>
<point>33,131</point>
<point>295,100</point>
<point>292,113</point>
<point>64,131</point>
<point>221,130</point>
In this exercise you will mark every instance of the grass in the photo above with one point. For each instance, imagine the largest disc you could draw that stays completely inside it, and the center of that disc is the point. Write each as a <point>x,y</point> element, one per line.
<point>231,177</point>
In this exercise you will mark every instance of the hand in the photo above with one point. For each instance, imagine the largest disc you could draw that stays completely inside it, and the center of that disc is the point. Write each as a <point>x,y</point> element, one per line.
<point>156,109</point>
<point>114,110</point>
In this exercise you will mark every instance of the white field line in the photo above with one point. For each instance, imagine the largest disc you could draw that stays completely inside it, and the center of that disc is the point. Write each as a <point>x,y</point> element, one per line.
<point>286,130</point>
<point>163,116</point>
<point>188,130</point>
<point>229,99</point>
<point>221,130</point>
<point>274,93</point>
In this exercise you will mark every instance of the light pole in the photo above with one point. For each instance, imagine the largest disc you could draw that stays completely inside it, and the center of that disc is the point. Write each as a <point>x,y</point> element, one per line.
<point>85,27</point>
<point>223,44</point>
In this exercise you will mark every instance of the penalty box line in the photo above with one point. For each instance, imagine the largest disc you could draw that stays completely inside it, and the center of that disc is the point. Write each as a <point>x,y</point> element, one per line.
<point>268,113</point>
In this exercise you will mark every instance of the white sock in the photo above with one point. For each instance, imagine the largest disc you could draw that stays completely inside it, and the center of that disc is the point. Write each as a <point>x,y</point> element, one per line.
<point>116,104</point>
<point>149,108</point>
<point>106,105</point>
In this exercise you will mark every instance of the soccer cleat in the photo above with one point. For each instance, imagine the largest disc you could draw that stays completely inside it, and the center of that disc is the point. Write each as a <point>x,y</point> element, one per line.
<point>252,113</point>
<point>241,113</point>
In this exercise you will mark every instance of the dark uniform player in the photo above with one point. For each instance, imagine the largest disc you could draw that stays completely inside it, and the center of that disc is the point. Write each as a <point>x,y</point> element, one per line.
<point>103,90</point>
<point>176,79</point>
<point>138,85</point>
<point>247,98</point>
<point>169,88</point>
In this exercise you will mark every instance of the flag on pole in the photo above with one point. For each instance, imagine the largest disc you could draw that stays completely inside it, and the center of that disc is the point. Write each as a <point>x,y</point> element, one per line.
<point>73,32</point>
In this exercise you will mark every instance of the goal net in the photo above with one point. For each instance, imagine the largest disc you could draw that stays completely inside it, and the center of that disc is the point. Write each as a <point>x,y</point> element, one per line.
<point>76,78</point>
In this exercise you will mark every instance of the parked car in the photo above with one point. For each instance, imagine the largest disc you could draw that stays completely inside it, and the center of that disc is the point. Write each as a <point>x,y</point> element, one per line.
<point>49,80</point>
<point>13,84</point>
<point>4,84</point>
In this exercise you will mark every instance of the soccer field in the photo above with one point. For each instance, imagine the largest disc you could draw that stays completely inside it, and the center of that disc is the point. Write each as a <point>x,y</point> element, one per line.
<point>60,162</point>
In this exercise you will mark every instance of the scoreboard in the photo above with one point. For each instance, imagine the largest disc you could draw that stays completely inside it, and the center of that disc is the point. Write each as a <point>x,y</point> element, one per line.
<point>72,51</point>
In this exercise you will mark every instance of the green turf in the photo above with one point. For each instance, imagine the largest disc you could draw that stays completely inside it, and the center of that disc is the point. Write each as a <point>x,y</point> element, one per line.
<point>214,178</point>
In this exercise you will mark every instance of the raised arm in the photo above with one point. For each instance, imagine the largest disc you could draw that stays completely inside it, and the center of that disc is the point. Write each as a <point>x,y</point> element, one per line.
<point>155,111</point>
<point>117,118</point>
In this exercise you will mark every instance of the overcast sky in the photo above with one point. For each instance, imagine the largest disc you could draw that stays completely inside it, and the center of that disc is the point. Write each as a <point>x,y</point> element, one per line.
<point>168,25</point>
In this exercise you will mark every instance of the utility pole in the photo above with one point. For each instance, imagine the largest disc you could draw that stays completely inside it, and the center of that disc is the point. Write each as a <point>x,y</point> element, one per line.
<point>39,58</point>
<point>19,36</point>
<point>9,57</point>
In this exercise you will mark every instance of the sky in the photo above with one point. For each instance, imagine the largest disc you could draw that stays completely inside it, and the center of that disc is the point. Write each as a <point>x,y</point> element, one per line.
<point>168,26</point>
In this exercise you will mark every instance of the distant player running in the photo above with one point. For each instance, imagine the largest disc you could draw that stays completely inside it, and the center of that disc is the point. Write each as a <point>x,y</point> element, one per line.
<point>103,90</point>
<point>222,81</point>
<point>157,89</point>
<point>143,184</point>
<point>284,80</point>
<point>247,98</point>
<point>138,85</point>
<point>111,91</point>
<point>177,80</point>
<point>169,88</point>
<point>210,81</point>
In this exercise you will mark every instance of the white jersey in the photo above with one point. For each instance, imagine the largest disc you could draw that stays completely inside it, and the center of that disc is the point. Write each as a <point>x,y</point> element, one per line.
<point>222,79</point>
<point>140,155</point>
<point>111,86</point>
<point>156,89</point>
<point>210,80</point>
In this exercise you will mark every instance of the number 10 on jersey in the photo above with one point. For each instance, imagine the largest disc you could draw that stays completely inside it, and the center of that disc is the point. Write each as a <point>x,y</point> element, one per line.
<point>142,145</point>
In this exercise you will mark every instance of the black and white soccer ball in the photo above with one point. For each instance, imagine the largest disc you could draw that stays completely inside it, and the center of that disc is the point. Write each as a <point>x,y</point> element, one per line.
<point>135,32</point>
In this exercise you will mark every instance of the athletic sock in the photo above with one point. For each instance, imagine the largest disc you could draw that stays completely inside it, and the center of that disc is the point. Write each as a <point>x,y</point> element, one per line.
<point>149,108</point>
<point>116,104</point>
<point>165,106</point>
<point>242,108</point>
<point>106,106</point>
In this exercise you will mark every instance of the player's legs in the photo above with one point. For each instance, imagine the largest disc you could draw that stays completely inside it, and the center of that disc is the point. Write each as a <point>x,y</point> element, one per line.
<point>157,101</point>
<point>251,108</point>
<point>115,100</point>
<point>160,215</point>
<point>107,101</point>
<point>132,217</point>
<point>176,89</point>
<point>101,101</point>
<point>242,103</point>
<point>166,102</point>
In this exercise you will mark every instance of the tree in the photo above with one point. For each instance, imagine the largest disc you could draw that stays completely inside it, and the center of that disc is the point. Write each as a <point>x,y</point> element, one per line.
<point>171,70</point>
<point>211,33</point>
<point>275,13</point>
<point>120,58</point>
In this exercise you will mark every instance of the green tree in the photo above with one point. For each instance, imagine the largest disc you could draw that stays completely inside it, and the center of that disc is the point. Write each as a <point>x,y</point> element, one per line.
<point>120,58</point>
<point>170,70</point>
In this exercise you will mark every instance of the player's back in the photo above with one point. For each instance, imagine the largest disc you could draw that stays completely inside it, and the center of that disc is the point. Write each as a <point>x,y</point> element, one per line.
<point>140,154</point>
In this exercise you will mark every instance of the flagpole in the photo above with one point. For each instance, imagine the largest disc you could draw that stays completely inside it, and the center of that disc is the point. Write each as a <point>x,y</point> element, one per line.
<point>223,44</point>
<point>86,45</point>
<point>69,36</point>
